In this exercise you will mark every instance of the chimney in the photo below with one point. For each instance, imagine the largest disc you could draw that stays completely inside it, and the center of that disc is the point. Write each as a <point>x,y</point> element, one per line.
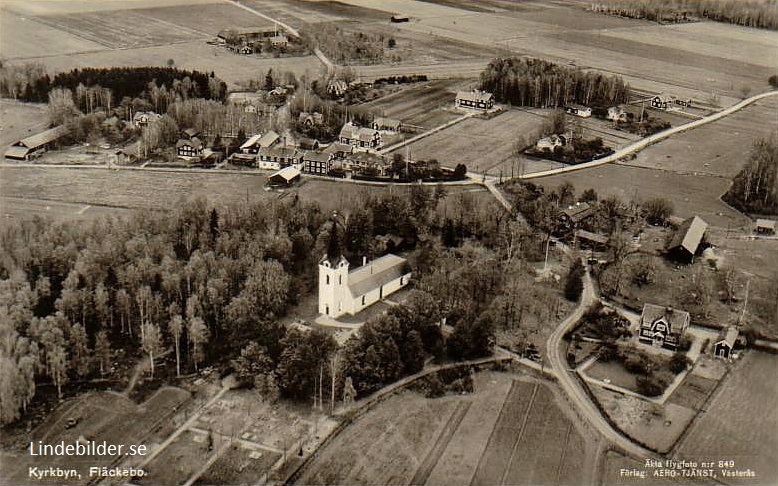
<point>364,260</point>
<point>669,309</point>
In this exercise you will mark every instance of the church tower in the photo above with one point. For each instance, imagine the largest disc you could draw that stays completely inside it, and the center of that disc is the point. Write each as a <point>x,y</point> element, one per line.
<point>333,286</point>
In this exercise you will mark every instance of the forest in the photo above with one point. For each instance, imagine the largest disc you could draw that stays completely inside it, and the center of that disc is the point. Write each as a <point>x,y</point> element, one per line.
<point>209,286</point>
<point>543,84</point>
<point>750,13</point>
<point>30,82</point>
<point>755,188</point>
<point>343,46</point>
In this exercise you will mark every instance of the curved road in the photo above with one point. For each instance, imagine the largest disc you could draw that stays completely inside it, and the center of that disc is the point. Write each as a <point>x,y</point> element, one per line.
<point>643,143</point>
<point>569,381</point>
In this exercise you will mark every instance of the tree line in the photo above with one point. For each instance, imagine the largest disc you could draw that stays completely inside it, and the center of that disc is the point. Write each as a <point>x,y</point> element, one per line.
<point>750,13</point>
<point>755,188</point>
<point>544,84</point>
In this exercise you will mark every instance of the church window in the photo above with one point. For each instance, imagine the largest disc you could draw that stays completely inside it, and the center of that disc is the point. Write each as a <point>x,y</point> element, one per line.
<point>328,279</point>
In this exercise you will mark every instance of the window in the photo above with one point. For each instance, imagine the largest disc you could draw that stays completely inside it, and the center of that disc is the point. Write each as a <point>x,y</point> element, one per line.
<point>340,279</point>
<point>328,279</point>
<point>363,300</point>
<point>402,280</point>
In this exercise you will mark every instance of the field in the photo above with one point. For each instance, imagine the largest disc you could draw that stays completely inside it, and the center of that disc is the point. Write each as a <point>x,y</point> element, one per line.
<point>101,416</point>
<point>511,431</point>
<point>693,392</point>
<point>20,120</point>
<point>743,410</point>
<point>616,468</point>
<point>719,149</point>
<point>180,460</point>
<point>422,105</point>
<point>239,465</point>
<point>690,194</point>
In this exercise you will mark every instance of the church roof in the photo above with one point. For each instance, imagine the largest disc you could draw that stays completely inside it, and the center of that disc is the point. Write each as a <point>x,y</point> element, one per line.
<point>377,273</point>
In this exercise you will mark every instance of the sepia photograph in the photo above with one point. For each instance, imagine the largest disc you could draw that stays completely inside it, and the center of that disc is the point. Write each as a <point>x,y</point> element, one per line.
<point>389,242</point>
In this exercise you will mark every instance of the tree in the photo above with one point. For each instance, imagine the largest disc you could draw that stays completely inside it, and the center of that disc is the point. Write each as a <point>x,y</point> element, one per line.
<point>152,343</point>
<point>176,327</point>
<point>61,106</point>
<point>679,362</point>
<point>472,338</point>
<point>57,363</point>
<point>574,281</point>
<point>589,195</point>
<point>657,210</point>
<point>252,363</point>
<point>198,336</point>
<point>304,354</point>
<point>79,345</point>
<point>102,352</point>
<point>391,43</point>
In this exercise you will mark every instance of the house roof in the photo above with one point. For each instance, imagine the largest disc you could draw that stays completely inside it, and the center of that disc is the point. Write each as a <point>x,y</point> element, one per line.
<point>285,152</point>
<point>377,273</point>
<point>474,95</point>
<point>588,235</point>
<point>765,223</point>
<point>244,97</point>
<point>194,142</point>
<point>355,132</point>
<point>17,152</point>
<point>317,156</point>
<point>578,212</point>
<point>251,141</point>
<point>677,319</point>
<point>729,337</point>
<point>338,147</point>
<point>268,139</point>
<point>191,132</point>
<point>265,29</point>
<point>287,174</point>
<point>577,106</point>
<point>368,159</point>
<point>551,140</point>
<point>43,138</point>
<point>689,234</point>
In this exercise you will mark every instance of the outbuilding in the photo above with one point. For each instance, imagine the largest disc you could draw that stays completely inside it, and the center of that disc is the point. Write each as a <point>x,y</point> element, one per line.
<point>28,147</point>
<point>284,177</point>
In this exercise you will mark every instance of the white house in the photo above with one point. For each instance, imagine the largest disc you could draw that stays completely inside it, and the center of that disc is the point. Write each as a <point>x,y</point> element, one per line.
<point>617,114</point>
<point>578,110</point>
<point>347,292</point>
<point>551,142</point>
<point>477,100</point>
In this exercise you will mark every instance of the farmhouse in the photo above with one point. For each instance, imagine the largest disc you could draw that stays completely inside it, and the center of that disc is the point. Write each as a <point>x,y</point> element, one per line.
<point>247,34</point>
<point>339,150</point>
<point>573,215</point>
<point>275,158</point>
<point>363,161</point>
<point>384,124</point>
<point>550,143</point>
<point>479,100</point>
<point>189,148</point>
<point>765,226</point>
<point>594,241</point>
<point>347,292</point>
<point>28,147</point>
<point>319,163</point>
<point>617,114</point>
<point>337,87</point>
<point>284,177</point>
<point>143,118</point>
<point>361,138</point>
<point>314,118</point>
<point>662,326</point>
<point>578,110</point>
<point>664,102</point>
<point>723,347</point>
<point>688,238</point>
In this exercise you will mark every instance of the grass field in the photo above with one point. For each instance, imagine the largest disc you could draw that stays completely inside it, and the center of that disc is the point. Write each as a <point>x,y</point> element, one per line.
<point>511,429</point>
<point>743,410</point>
<point>690,194</point>
<point>482,145</point>
<point>720,148</point>
<point>693,392</point>
<point>20,120</point>
<point>239,465</point>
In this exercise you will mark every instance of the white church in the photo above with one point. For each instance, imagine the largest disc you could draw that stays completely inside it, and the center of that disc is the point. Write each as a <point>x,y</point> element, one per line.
<point>347,292</point>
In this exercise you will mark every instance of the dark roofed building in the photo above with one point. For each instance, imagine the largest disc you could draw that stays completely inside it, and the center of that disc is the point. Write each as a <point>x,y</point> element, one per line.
<point>765,226</point>
<point>319,163</point>
<point>36,144</point>
<point>594,240</point>
<point>576,213</point>
<point>688,238</point>
<point>385,124</point>
<point>278,157</point>
<point>362,138</point>
<point>479,100</point>
<point>192,147</point>
<point>662,326</point>
<point>724,346</point>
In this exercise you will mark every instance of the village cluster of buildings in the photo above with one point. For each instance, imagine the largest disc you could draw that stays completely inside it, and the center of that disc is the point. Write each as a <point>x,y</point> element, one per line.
<point>248,40</point>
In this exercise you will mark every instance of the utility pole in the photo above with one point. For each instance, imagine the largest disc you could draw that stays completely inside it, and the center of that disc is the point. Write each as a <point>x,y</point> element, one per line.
<point>745,303</point>
<point>321,387</point>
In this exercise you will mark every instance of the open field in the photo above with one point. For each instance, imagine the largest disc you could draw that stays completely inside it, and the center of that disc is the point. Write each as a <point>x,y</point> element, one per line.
<point>482,145</point>
<point>691,195</point>
<point>424,105</point>
<point>719,148</point>
<point>101,416</point>
<point>239,465</point>
<point>180,460</point>
<point>743,410</point>
<point>693,392</point>
<point>511,429</point>
<point>20,120</point>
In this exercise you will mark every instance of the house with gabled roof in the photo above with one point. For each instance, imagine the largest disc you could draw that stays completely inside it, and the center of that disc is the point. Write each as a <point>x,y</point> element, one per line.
<point>662,326</point>
<point>343,291</point>
<point>724,346</point>
<point>315,162</point>
<point>474,100</point>
<point>385,124</point>
<point>275,158</point>
<point>188,148</point>
<point>361,138</point>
